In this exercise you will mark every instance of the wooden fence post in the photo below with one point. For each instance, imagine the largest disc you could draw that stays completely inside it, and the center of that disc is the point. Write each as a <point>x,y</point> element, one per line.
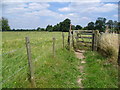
<point>69,37</point>
<point>119,50</point>
<point>96,39</point>
<point>93,37</point>
<point>53,47</point>
<point>32,78</point>
<point>63,39</point>
<point>119,56</point>
<point>69,41</point>
<point>72,40</point>
<point>77,41</point>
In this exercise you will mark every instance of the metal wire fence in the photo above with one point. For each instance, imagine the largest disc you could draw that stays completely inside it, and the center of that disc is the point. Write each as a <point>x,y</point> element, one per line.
<point>15,63</point>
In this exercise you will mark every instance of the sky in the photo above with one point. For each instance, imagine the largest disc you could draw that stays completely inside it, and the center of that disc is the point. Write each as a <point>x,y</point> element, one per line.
<point>31,14</point>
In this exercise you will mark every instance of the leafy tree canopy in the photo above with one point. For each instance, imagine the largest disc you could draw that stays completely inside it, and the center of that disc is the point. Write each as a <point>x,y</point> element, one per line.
<point>5,25</point>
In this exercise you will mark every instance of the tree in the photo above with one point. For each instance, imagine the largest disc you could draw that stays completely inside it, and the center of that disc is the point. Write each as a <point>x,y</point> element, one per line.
<point>115,25</point>
<point>56,27</point>
<point>42,29</point>
<point>65,25</point>
<point>13,29</point>
<point>110,24</point>
<point>119,26</point>
<point>49,28</point>
<point>91,26</point>
<point>38,29</point>
<point>78,27</point>
<point>100,24</point>
<point>85,28</point>
<point>73,27</point>
<point>5,25</point>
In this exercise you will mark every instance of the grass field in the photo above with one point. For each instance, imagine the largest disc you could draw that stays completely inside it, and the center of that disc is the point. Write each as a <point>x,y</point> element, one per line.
<point>57,72</point>
<point>60,71</point>
<point>99,72</point>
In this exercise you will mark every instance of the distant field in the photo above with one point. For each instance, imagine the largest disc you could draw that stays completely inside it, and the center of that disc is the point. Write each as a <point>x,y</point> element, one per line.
<point>60,71</point>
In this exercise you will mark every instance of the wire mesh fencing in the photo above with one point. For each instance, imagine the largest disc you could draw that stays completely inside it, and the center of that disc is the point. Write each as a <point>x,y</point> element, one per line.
<point>15,63</point>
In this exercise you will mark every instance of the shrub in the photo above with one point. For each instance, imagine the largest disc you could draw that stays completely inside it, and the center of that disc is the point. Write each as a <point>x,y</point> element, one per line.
<point>108,44</point>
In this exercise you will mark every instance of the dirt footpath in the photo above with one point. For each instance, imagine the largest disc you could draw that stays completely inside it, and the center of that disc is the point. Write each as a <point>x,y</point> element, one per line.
<point>79,55</point>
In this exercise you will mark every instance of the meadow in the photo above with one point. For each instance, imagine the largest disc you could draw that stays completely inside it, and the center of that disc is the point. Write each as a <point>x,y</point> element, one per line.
<point>60,71</point>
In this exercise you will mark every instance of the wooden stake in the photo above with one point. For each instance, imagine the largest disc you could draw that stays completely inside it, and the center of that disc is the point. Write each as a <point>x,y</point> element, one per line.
<point>72,40</point>
<point>119,50</point>
<point>63,39</point>
<point>69,39</point>
<point>53,47</point>
<point>32,79</point>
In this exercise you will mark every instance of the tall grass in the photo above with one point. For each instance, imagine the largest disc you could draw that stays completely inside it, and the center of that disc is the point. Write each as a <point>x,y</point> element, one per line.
<point>108,45</point>
<point>58,72</point>
<point>98,74</point>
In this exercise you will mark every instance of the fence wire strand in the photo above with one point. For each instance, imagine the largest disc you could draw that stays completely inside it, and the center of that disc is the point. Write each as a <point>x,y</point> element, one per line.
<point>16,64</point>
<point>58,44</point>
<point>12,51</point>
<point>40,42</point>
<point>13,74</point>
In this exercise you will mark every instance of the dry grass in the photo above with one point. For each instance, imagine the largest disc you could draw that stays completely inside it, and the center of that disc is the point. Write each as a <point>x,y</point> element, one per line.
<point>108,44</point>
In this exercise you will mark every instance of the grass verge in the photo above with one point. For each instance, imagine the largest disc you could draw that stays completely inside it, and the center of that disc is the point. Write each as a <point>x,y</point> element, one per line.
<point>58,72</point>
<point>99,73</point>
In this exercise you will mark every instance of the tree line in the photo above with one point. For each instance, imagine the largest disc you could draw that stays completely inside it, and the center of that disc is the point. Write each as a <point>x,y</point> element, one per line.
<point>100,24</point>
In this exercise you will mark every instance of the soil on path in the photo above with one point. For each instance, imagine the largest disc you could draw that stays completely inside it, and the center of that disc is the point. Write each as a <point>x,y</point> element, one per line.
<point>79,55</point>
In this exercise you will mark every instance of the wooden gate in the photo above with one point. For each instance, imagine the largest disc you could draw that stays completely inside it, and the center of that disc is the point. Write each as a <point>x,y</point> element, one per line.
<point>84,39</point>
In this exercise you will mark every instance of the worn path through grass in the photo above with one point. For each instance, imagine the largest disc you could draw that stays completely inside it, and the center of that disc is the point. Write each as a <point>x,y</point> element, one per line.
<point>79,55</point>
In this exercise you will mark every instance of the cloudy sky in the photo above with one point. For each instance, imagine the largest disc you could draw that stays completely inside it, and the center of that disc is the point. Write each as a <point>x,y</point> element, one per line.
<point>33,14</point>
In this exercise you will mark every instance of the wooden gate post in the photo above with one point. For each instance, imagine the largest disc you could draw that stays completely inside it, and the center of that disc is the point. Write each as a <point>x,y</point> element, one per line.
<point>72,40</point>
<point>53,47</point>
<point>63,39</point>
<point>96,33</point>
<point>93,37</point>
<point>32,78</point>
<point>77,41</point>
<point>69,38</point>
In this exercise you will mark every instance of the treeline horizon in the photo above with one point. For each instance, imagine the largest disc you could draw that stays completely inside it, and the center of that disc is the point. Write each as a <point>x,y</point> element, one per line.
<point>64,26</point>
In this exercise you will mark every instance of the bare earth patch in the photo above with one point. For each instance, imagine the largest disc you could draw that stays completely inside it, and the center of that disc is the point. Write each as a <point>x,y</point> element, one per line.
<point>79,55</point>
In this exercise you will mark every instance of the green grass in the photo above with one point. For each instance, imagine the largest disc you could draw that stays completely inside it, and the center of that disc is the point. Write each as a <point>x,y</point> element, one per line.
<point>99,73</point>
<point>58,72</point>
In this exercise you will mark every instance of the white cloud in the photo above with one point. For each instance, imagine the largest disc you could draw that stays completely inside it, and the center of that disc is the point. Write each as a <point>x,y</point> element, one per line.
<point>22,7</point>
<point>58,0</point>
<point>30,14</point>
<point>115,15</point>
<point>38,6</point>
<point>89,7</point>
<point>102,8</point>
<point>65,9</point>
